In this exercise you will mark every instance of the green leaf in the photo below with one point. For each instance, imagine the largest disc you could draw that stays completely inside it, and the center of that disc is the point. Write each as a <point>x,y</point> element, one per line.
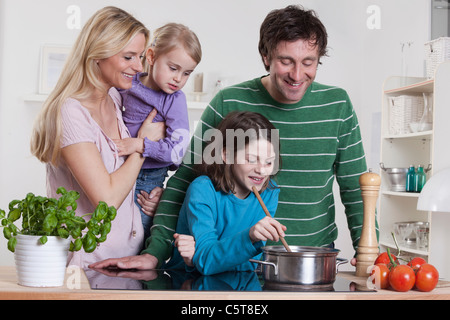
<point>13,204</point>
<point>7,233</point>
<point>102,238</point>
<point>106,228</point>
<point>101,211</point>
<point>14,215</point>
<point>92,223</point>
<point>50,210</point>
<point>61,190</point>
<point>63,233</point>
<point>43,239</point>
<point>112,212</point>
<point>49,223</point>
<point>13,229</point>
<point>89,242</point>
<point>75,232</point>
<point>12,244</point>
<point>76,245</point>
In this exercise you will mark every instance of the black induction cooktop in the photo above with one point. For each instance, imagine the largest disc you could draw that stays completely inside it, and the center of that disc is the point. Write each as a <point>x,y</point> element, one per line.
<point>116,279</point>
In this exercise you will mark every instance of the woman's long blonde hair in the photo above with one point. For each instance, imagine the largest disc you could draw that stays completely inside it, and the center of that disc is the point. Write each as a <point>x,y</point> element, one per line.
<point>105,34</point>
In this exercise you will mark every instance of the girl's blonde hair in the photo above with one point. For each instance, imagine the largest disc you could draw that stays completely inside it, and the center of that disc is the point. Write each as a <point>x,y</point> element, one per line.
<point>104,35</point>
<point>171,36</point>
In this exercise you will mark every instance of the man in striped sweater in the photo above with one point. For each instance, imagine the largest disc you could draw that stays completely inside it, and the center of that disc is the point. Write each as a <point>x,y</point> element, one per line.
<point>319,140</point>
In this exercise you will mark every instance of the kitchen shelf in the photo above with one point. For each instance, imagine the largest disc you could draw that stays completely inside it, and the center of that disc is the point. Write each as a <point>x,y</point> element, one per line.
<point>404,248</point>
<point>415,135</point>
<point>421,86</point>
<point>419,148</point>
<point>401,194</point>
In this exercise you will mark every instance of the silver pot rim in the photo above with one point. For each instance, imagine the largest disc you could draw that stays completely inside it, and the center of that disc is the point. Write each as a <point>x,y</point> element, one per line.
<point>301,251</point>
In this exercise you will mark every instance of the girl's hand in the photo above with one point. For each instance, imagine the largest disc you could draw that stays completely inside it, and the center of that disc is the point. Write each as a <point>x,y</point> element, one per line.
<point>154,131</point>
<point>186,247</point>
<point>149,201</point>
<point>267,229</point>
<point>128,146</point>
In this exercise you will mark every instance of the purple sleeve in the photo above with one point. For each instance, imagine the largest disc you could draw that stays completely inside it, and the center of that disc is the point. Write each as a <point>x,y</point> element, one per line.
<point>171,149</point>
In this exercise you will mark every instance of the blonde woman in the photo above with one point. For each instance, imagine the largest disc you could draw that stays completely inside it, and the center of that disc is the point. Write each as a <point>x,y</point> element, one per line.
<point>75,131</point>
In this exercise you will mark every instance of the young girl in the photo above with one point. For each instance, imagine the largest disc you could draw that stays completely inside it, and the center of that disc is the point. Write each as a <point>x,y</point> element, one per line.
<point>220,210</point>
<point>172,56</point>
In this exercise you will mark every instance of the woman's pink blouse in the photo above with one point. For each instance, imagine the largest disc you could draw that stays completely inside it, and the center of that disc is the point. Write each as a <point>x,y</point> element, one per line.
<point>126,236</point>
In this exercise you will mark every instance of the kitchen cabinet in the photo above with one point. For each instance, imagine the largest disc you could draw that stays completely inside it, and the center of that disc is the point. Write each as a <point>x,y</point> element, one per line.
<point>419,148</point>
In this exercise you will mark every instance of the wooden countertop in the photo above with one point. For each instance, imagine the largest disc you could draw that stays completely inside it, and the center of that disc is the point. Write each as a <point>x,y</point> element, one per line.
<point>77,288</point>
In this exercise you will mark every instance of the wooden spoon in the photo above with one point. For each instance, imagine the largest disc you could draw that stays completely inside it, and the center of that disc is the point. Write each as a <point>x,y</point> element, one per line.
<point>261,202</point>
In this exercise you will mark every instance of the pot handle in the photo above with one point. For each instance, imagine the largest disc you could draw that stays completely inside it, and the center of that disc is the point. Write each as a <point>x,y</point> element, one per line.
<point>268,264</point>
<point>340,261</point>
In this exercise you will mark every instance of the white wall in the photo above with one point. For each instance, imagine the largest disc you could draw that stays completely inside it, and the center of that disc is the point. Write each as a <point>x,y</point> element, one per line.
<point>360,59</point>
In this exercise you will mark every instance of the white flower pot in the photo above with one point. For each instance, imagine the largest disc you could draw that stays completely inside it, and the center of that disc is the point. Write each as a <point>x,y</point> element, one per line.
<point>41,265</point>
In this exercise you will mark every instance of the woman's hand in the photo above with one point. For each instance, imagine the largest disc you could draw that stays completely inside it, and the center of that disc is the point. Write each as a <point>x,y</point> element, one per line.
<point>267,229</point>
<point>149,201</point>
<point>186,247</point>
<point>154,131</point>
<point>128,146</point>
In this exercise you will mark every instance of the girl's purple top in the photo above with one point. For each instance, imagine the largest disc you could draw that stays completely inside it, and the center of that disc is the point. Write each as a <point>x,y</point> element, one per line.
<point>138,102</point>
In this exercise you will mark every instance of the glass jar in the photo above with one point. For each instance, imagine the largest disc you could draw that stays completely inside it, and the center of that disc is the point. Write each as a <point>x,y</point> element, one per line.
<point>420,179</point>
<point>411,179</point>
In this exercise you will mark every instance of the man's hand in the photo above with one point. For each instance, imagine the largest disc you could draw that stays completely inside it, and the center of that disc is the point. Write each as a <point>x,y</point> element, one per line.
<point>140,262</point>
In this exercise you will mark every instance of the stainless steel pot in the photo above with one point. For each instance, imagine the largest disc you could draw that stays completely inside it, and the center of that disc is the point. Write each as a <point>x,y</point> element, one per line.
<point>302,266</point>
<point>397,177</point>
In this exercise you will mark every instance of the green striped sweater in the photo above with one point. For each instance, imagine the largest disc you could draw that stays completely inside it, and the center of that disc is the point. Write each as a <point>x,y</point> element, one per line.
<point>320,140</point>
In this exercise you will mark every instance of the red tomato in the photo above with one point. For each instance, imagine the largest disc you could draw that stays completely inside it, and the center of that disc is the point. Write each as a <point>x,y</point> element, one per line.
<point>427,277</point>
<point>416,263</point>
<point>383,273</point>
<point>384,258</point>
<point>402,278</point>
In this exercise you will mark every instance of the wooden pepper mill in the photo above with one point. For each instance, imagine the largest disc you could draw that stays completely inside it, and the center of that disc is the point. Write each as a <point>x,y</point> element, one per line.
<point>367,251</point>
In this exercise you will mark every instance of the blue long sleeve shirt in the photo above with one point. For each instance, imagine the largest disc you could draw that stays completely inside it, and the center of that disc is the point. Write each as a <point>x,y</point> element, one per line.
<point>220,224</point>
